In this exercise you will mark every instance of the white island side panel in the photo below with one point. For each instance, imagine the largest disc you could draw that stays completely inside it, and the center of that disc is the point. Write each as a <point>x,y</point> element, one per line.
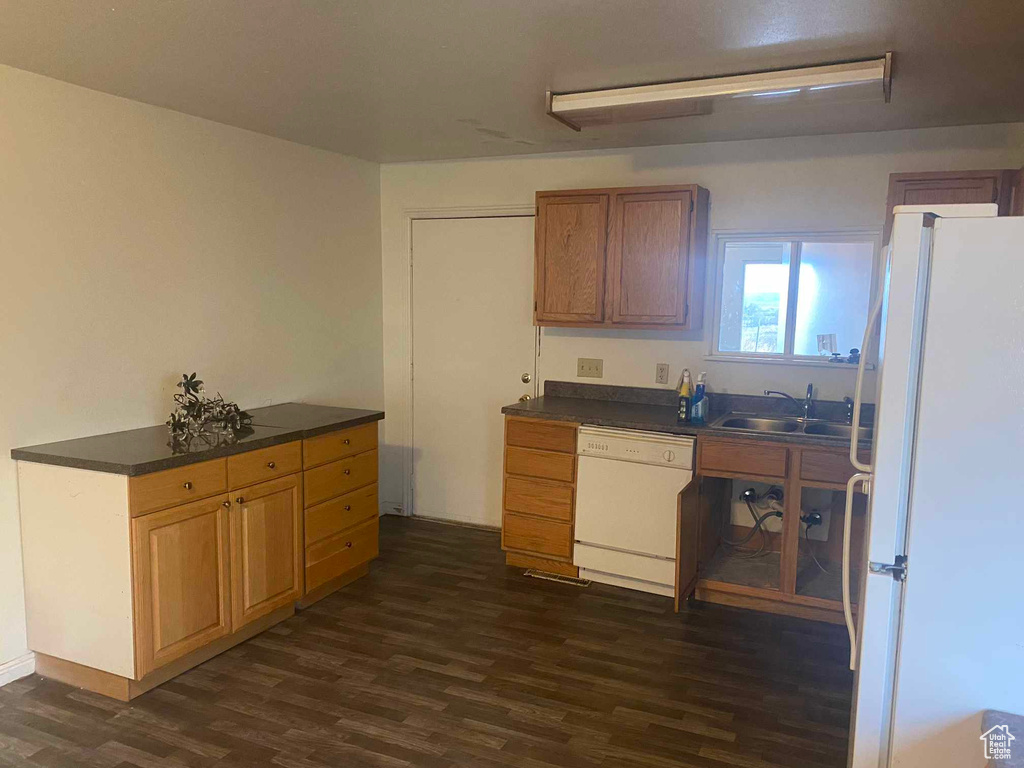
<point>75,529</point>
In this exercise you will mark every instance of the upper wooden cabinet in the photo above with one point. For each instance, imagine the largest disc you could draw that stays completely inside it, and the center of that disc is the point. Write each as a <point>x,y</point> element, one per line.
<point>626,257</point>
<point>572,235</point>
<point>950,187</point>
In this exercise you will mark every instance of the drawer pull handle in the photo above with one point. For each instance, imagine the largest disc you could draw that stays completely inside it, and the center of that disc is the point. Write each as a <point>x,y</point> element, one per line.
<point>346,441</point>
<point>271,465</point>
<point>348,544</point>
<point>240,500</point>
<point>348,471</point>
<point>188,485</point>
<point>348,507</point>
<point>225,504</point>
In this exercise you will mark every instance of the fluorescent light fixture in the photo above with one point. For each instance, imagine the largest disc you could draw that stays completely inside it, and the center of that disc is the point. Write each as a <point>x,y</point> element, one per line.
<point>868,80</point>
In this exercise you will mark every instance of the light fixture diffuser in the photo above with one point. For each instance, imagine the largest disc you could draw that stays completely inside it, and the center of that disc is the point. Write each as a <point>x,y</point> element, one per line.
<point>868,80</point>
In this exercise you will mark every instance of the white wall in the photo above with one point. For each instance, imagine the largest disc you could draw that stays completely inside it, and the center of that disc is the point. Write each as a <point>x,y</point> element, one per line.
<point>138,243</point>
<point>806,183</point>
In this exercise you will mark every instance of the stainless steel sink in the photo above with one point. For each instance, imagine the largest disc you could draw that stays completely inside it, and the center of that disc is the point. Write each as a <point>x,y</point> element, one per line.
<point>757,424</point>
<point>837,430</point>
<point>748,422</point>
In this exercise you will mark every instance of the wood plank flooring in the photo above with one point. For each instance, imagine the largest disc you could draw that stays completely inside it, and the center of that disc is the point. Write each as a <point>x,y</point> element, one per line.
<point>444,657</point>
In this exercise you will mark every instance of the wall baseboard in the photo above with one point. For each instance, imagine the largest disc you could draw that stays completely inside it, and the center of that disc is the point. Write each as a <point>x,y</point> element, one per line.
<point>456,521</point>
<point>17,668</point>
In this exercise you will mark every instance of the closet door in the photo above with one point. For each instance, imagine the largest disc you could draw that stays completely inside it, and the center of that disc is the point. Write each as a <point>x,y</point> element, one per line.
<point>569,276</point>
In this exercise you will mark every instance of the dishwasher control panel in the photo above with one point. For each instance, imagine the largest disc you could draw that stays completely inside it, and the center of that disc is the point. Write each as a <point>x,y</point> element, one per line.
<point>634,445</point>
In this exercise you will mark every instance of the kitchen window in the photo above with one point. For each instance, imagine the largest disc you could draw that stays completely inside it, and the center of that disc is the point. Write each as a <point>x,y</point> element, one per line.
<point>799,298</point>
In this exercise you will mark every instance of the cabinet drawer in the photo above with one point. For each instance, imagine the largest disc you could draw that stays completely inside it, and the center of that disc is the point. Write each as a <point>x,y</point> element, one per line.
<point>539,497</point>
<point>544,435</point>
<point>532,534</point>
<point>339,445</point>
<point>148,493</point>
<point>743,458</point>
<point>338,477</point>
<point>544,464</point>
<point>823,467</point>
<point>340,513</point>
<point>332,557</point>
<point>265,464</point>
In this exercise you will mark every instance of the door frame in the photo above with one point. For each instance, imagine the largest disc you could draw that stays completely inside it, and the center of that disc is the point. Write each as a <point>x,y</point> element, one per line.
<point>411,216</point>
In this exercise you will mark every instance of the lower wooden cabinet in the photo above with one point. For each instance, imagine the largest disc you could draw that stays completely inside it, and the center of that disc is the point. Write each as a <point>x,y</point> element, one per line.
<point>340,554</point>
<point>341,515</point>
<point>206,569</point>
<point>266,548</point>
<point>539,494</point>
<point>182,581</point>
<point>788,571</point>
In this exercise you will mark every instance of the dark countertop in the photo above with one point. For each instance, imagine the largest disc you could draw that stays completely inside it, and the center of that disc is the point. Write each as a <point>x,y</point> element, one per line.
<point>312,420</point>
<point>589,407</point>
<point>141,451</point>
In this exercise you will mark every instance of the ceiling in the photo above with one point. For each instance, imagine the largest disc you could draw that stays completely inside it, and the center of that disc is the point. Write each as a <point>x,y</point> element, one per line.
<point>393,80</point>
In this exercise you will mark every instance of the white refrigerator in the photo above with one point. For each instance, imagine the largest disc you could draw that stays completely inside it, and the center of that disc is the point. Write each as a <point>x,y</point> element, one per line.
<point>938,643</point>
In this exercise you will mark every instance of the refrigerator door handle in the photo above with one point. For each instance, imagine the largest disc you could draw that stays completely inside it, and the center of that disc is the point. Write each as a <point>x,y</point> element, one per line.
<point>851,628</point>
<point>869,330</point>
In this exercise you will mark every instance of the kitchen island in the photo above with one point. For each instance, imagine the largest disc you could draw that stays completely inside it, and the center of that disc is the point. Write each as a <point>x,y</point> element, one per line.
<point>143,558</point>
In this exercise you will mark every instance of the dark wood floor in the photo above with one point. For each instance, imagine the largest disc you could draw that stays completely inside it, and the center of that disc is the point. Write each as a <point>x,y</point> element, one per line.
<point>445,657</point>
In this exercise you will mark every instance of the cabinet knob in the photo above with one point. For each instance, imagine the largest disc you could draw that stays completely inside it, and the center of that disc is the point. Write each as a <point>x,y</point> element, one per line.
<point>348,507</point>
<point>348,471</point>
<point>271,465</point>
<point>346,441</point>
<point>348,544</point>
<point>225,504</point>
<point>188,485</point>
<point>240,500</point>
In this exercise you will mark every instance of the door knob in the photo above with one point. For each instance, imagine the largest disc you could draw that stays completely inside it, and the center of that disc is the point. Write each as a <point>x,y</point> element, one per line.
<point>527,378</point>
<point>524,398</point>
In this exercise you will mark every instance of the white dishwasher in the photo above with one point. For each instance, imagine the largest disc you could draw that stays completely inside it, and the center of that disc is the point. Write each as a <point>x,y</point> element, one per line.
<point>626,490</point>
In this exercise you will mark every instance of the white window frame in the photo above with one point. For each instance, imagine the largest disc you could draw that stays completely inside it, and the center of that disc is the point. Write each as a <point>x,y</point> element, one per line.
<point>721,237</point>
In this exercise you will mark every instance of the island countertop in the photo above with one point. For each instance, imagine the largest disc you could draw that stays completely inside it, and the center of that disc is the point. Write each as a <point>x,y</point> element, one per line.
<point>141,451</point>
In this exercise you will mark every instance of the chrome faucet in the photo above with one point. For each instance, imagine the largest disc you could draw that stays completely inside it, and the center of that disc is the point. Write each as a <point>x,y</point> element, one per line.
<point>808,401</point>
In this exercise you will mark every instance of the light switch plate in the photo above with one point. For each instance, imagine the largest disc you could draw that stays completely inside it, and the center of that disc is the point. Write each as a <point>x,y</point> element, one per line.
<point>590,367</point>
<point>661,373</point>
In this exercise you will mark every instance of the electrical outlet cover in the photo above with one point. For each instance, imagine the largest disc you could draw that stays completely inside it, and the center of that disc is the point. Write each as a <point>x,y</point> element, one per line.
<point>590,367</point>
<point>661,373</point>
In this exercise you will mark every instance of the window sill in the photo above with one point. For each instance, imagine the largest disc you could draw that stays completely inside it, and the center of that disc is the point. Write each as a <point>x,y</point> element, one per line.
<point>797,361</point>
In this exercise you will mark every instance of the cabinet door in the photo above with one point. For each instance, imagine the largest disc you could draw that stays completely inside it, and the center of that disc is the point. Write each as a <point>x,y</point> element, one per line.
<point>266,548</point>
<point>182,594</point>
<point>648,257</point>
<point>947,187</point>
<point>1017,193</point>
<point>571,234</point>
<point>687,540</point>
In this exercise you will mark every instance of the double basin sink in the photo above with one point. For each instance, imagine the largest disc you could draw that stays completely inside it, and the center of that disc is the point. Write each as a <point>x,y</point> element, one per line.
<point>747,423</point>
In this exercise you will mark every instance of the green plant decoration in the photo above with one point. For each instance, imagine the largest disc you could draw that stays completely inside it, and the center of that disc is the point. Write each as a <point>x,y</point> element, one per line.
<point>213,421</point>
